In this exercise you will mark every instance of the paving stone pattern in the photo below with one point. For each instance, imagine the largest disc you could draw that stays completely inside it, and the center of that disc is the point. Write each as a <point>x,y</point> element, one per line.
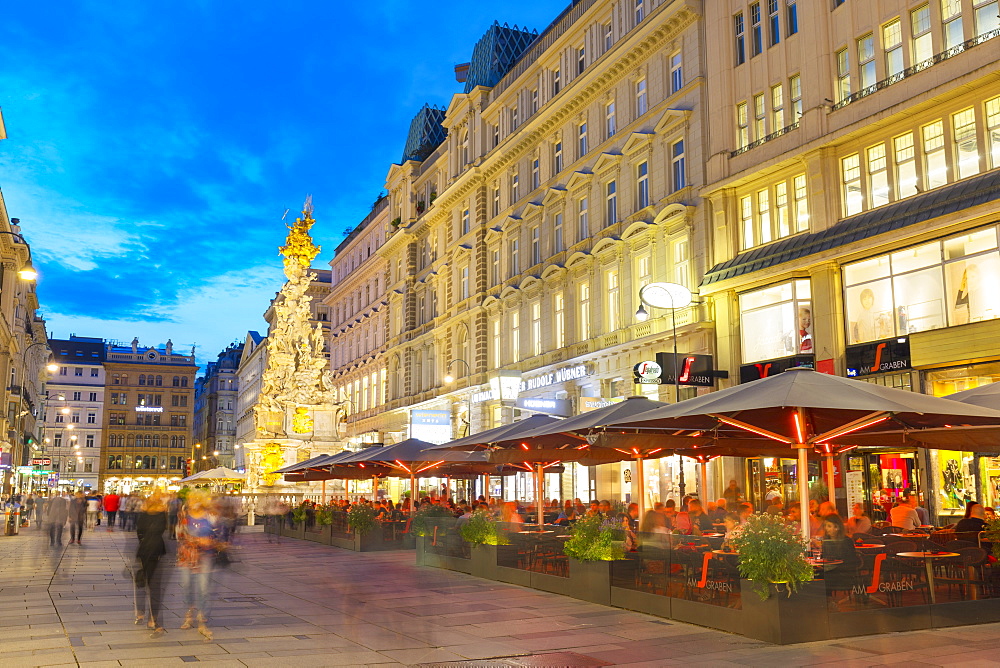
<point>298,604</point>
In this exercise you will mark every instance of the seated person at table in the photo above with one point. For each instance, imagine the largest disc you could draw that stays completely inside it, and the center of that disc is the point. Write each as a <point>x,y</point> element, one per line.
<point>654,522</point>
<point>684,525</point>
<point>731,522</point>
<point>719,512</point>
<point>699,516</point>
<point>793,516</point>
<point>594,508</point>
<point>990,513</point>
<point>975,519</point>
<point>509,514</point>
<point>838,547</point>
<point>903,514</point>
<point>858,522</point>
<point>775,506</point>
<point>567,515</point>
<point>670,511</point>
<point>744,510</point>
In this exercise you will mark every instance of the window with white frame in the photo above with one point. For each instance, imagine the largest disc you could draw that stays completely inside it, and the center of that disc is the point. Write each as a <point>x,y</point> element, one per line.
<point>614,299</point>
<point>746,222</point>
<point>641,100</point>
<point>556,81</point>
<point>920,34</point>
<point>878,176</point>
<point>773,22</point>
<point>935,160</point>
<point>781,218</point>
<point>558,320</point>
<point>795,97</point>
<point>756,34</point>
<point>584,312</point>
<point>676,72</point>
<point>640,11</point>
<point>465,283</point>
<point>536,328</point>
<point>534,100</point>
<point>739,39</point>
<point>495,266</point>
<point>495,131</point>
<point>512,258</point>
<point>496,347</point>
<point>642,184</point>
<point>608,37</point>
<point>581,134</point>
<point>966,143</point>
<point>581,59</point>
<point>764,229</point>
<point>535,176</point>
<point>801,203</point>
<point>791,17</point>
<point>866,61</point>
<point>557,233</point>
<point>742,125</point>
<point>515,182</point>
<point>843,75</point>
<point>951,15</point>
<point>776,321</point>
<point>987,15</point>
<point>905,164</point>
<point>611,202</point>
<point>557,157</point>
<point>515,337</point>
<point>777,107</point>
<point>759,118</point>
<point>583,217</point>
<point>850,168</point>
<point>536,246</point>
<point>496,199</point>
<point>680,252</point>
<point>610,119</point>
<point>643,270</point>
<point>466,223</point>
<point>993,131</point>
<point>514,119</point>
<point>678,176</point>
<point>892,44</point>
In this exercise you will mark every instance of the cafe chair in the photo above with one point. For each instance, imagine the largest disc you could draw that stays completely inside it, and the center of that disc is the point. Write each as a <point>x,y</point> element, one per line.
<point>966,571</point>
<point>956,545</point>
<point>866,538</point>
<point>904,571</point>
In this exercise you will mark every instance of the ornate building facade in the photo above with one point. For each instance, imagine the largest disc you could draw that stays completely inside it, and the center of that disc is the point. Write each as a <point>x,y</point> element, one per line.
<point>216,395</point>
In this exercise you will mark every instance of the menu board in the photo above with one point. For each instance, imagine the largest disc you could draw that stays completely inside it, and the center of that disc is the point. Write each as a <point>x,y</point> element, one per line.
<point>855,489</point>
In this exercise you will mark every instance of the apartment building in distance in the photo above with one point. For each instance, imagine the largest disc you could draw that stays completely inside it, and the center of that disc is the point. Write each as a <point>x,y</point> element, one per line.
<point>74,414</point>
<point>853,193</point>
<point>149,405</point>
<point>215,398</point>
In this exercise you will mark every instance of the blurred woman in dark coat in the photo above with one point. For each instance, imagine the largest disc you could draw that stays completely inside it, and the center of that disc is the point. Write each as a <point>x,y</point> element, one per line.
<point>150,525</point>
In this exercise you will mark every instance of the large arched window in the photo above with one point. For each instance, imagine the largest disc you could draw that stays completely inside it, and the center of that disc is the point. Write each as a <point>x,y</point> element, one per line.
<point>142,379</point>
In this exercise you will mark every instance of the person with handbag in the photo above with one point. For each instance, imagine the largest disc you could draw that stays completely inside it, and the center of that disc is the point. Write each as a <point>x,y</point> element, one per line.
<point>198,531</point>
<point>150,524</point>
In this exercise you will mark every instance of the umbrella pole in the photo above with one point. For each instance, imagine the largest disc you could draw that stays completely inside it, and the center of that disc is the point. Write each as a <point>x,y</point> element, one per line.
<point>413,494</point>
<point>803,476</point>
<point>704,484</point>
<point>640,487</point>
<point>486,487</point>
<point>322,498</point>
<point>538,496</point>
<point>831,480</point>
<point>374,488</point>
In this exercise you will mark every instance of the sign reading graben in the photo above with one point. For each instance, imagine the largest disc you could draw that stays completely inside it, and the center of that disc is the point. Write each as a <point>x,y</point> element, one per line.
<point>878,357</point>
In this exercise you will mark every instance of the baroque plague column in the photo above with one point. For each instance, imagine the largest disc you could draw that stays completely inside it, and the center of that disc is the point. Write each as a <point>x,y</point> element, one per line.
<point>294,415</point>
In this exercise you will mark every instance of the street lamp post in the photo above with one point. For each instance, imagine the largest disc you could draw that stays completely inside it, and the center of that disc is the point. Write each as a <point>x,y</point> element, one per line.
<point>670,296</point>
<point>451,379</point>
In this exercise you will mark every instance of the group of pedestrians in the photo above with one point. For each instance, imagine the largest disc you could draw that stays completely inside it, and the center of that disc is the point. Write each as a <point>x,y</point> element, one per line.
<point>79,510</point>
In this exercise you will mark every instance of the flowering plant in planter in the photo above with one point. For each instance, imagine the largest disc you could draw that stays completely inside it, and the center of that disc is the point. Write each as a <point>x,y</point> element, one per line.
<point>324,515</point>
<point>993,535</point>
<point>482,530</point>
<point>423,522</point>
<point>771,552</point>
<point>361,518</point>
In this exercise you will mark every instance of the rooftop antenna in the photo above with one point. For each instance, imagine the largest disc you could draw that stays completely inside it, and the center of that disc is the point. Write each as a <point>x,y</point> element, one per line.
<point>285,215</point>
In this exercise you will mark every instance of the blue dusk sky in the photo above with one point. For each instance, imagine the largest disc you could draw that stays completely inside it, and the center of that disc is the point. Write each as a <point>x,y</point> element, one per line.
<point>152,148</point>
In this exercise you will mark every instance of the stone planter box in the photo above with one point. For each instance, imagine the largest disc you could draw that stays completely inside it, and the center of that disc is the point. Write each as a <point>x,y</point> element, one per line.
<point>782,619</point>
<point>591,580</point>
<point>293,530</point>
<point>373,541</point>
<point>322,536</point>
<point>427,557</point>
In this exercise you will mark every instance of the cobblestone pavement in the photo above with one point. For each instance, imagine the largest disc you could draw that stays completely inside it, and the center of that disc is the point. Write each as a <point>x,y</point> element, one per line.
<point>301,604</point>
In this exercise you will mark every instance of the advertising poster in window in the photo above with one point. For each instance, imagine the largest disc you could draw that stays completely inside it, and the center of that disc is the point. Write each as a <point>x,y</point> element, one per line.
<point>956,484</point>
<point>777,322</point>
<point>870,312</point>
<point>969,292</point>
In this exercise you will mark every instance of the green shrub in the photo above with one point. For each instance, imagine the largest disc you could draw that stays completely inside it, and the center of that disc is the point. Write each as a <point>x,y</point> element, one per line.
<point>361,518</point>
<point>324,515</point>
<point>593,542</point>
<point>993,535</point>
<point>299,514</point>
<point>482,530</point>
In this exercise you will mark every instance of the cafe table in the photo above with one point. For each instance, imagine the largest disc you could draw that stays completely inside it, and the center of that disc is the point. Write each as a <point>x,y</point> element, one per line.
<point>868,546</point>
<point>927,557</point>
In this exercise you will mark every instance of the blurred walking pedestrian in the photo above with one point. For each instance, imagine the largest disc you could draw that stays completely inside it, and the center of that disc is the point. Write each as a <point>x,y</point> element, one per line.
<point>150,524</point>
<point>111,502</point>
<point>198,533</point>
<point>77,517</point>
<point>56,512</point>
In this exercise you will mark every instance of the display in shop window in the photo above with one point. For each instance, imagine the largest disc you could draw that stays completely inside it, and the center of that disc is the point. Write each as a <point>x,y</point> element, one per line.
<point>957,484</point>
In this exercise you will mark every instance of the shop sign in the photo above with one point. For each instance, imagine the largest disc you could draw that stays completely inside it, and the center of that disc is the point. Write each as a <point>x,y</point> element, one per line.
<point>878,357</point>
<point>41,461</point>
<point>541,405</point>
<point>149,409</point>
<point>751,372</point>
<point>557,376</point>
<point>647,373</point>
<point>5,460</point>
<point>692,370</point>
<point>593,403</point>
<point>433,426</point>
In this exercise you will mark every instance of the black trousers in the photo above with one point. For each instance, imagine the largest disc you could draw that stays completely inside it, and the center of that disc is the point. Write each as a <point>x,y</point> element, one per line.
<point>56,533</point>
<point>154,586</point>
<point>75,530</point>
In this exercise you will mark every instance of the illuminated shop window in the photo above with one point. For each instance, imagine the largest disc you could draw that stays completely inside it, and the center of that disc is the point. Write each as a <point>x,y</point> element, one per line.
<point>776,321</point>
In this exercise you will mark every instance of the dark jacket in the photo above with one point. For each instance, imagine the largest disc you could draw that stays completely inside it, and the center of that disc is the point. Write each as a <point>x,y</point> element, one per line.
<point>149,527</point>
<point>77,510</point>
<point>57,510</point>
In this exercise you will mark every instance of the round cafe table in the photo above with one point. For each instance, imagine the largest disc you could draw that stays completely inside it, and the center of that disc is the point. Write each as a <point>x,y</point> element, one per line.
<point>867,546</point>
<point>910,535</point>
<point>927,557</point>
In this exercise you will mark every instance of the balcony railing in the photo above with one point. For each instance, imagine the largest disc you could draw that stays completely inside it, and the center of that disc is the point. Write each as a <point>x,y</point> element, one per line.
<point>763,140</point>
<point>918,67</point>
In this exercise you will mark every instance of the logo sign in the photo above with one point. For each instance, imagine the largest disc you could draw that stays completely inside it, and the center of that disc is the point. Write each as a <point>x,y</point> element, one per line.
<point>431,426</point>
<point>41,461</point>
<point>593,403</point>
<point>647,373</point>
<point>694,370</point>
<point>758,370</point>
<point>541,405</point>
<point>149,409</point>
<point>557,376</point>
<point>878,357</point>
